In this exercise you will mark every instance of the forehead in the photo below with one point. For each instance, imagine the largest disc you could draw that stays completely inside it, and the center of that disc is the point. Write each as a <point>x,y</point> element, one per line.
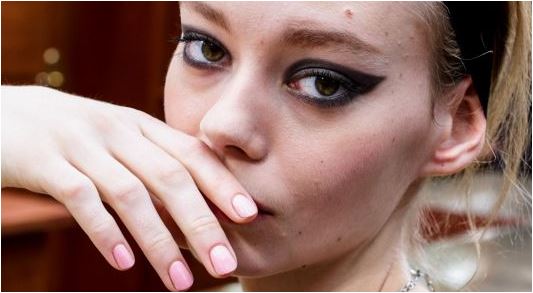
<point>387,26</point>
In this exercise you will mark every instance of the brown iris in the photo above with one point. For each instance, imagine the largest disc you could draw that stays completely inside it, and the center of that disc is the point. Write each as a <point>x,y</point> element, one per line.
<point>211,51</point>
<point>326,86</point>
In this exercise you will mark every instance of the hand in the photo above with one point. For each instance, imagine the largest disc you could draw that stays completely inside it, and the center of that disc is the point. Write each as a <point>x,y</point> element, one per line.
<point>83,152</point>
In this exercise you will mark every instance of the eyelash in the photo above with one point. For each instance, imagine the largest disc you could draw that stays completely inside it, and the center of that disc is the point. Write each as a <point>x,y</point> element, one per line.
<point>188,38</point>
<point>350,89</point>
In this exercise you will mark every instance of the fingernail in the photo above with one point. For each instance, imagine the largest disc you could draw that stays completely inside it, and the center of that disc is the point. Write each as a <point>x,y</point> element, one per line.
<point>244,206</point>
<point>222,260</point>
<point>123,257</point>
<point>180,276</point>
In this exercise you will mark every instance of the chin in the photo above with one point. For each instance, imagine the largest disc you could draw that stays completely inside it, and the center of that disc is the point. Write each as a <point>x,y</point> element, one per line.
<point>258,267</point>
<point>257,248</point>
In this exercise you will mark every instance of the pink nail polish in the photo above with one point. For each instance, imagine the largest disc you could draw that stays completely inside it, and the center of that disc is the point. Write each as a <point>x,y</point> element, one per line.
<point>244,206</point>
<point>180,276</point>
<point>222,259</point>
<point>123,257</point>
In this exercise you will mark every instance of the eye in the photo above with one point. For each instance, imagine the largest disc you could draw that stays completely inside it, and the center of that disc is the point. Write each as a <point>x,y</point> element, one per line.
<point>317,86</point>
<point>323,87</point>
<point>202,51</point>
<point>211,52</point>
<point>326,84</point>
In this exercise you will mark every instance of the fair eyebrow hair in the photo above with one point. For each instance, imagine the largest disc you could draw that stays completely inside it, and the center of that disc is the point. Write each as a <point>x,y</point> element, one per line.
<point>298,33</point>
<point>302,36</point>
<point>210,14</point>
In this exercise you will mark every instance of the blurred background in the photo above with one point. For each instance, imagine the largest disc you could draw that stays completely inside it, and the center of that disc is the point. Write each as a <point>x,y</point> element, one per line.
<point>119,52</point>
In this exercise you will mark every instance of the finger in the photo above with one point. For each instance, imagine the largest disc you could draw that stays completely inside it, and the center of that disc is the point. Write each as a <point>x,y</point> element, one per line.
<point>169,222</point>
<point>172,184</point>
<point>129,198</point>
<point>80,197</point>
<point>211,176</point>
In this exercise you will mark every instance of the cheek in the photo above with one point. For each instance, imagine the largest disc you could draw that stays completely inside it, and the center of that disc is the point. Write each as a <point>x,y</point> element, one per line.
<point>349,181</point>
<point>184,104</point>
<point>334,177</point>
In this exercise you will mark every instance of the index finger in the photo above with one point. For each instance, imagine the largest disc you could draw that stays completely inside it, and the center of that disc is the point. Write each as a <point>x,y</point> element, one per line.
<point>210,175</point>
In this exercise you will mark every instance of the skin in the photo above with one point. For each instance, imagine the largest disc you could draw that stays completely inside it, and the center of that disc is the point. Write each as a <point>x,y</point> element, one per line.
<point>329,182</point>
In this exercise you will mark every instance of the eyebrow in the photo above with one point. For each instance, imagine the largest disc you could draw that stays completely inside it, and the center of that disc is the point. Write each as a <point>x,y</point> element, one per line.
<point>299,33</point>
<point>310,38</point>
<point>210,14</point>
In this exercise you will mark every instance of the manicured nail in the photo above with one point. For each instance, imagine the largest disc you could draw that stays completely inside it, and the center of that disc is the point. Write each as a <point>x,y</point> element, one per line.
<point>180,276</point>
<point>244,206</point>
<point>222,260</point>
<point>123,257</point>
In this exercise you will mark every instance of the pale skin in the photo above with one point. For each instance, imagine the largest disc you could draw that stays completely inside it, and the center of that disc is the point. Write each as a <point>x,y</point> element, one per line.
<point>329,180</point>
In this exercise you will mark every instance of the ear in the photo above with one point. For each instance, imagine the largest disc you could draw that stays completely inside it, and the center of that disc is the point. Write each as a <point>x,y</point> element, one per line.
<point>463,135</point>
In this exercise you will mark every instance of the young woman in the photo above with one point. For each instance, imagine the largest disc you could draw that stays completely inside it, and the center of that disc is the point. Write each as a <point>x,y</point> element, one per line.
<point>300,134</point>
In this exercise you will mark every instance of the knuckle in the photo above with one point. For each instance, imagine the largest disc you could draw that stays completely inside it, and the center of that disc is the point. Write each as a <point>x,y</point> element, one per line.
<point>101,230</point>
<point>76,191</point>
<point>158,243</point>
<point>221,183</point>
<point>173,175</point>
<point>195,148</point>
<point>137,113</point>
<point>126,193</point>
<point>203,225</point>
<point>103,122</point>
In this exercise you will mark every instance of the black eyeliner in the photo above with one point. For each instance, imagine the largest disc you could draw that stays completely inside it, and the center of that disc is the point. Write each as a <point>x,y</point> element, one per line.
<point>368,81</point>
<point>188,31</point>
<point>353,81</point>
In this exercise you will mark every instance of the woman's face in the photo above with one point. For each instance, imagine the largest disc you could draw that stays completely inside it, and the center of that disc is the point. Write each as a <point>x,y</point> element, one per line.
<point>321,110</point>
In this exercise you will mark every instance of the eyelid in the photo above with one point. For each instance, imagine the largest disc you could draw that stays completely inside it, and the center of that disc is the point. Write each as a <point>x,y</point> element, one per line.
<point>349,73</point>
<point>190,30</point>
<point>322,72</point>
<point>355,83</point>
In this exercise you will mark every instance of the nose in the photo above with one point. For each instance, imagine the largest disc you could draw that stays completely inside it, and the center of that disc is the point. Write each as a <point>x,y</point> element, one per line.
<point>235,124</point>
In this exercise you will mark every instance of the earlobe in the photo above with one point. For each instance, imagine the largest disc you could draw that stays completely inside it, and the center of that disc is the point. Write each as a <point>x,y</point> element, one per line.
<point>464,137</point>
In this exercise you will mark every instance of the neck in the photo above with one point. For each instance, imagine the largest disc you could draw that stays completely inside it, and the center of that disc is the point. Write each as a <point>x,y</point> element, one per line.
<point>378,265</point>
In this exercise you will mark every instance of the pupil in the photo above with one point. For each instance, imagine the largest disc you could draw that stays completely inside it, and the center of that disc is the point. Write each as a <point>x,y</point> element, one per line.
<point>211,51</point>
<point>326,86</point>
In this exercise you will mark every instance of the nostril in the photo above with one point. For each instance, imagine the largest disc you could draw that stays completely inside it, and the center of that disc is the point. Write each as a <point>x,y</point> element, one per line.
<point>236,152</point>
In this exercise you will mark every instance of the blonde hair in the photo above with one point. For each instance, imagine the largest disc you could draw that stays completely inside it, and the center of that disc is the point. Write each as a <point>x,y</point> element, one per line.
<point>508,132</point>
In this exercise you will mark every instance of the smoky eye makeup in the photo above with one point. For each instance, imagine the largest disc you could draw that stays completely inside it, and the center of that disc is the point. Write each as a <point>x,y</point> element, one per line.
<point>326,84</point>
<point>318,82</point>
